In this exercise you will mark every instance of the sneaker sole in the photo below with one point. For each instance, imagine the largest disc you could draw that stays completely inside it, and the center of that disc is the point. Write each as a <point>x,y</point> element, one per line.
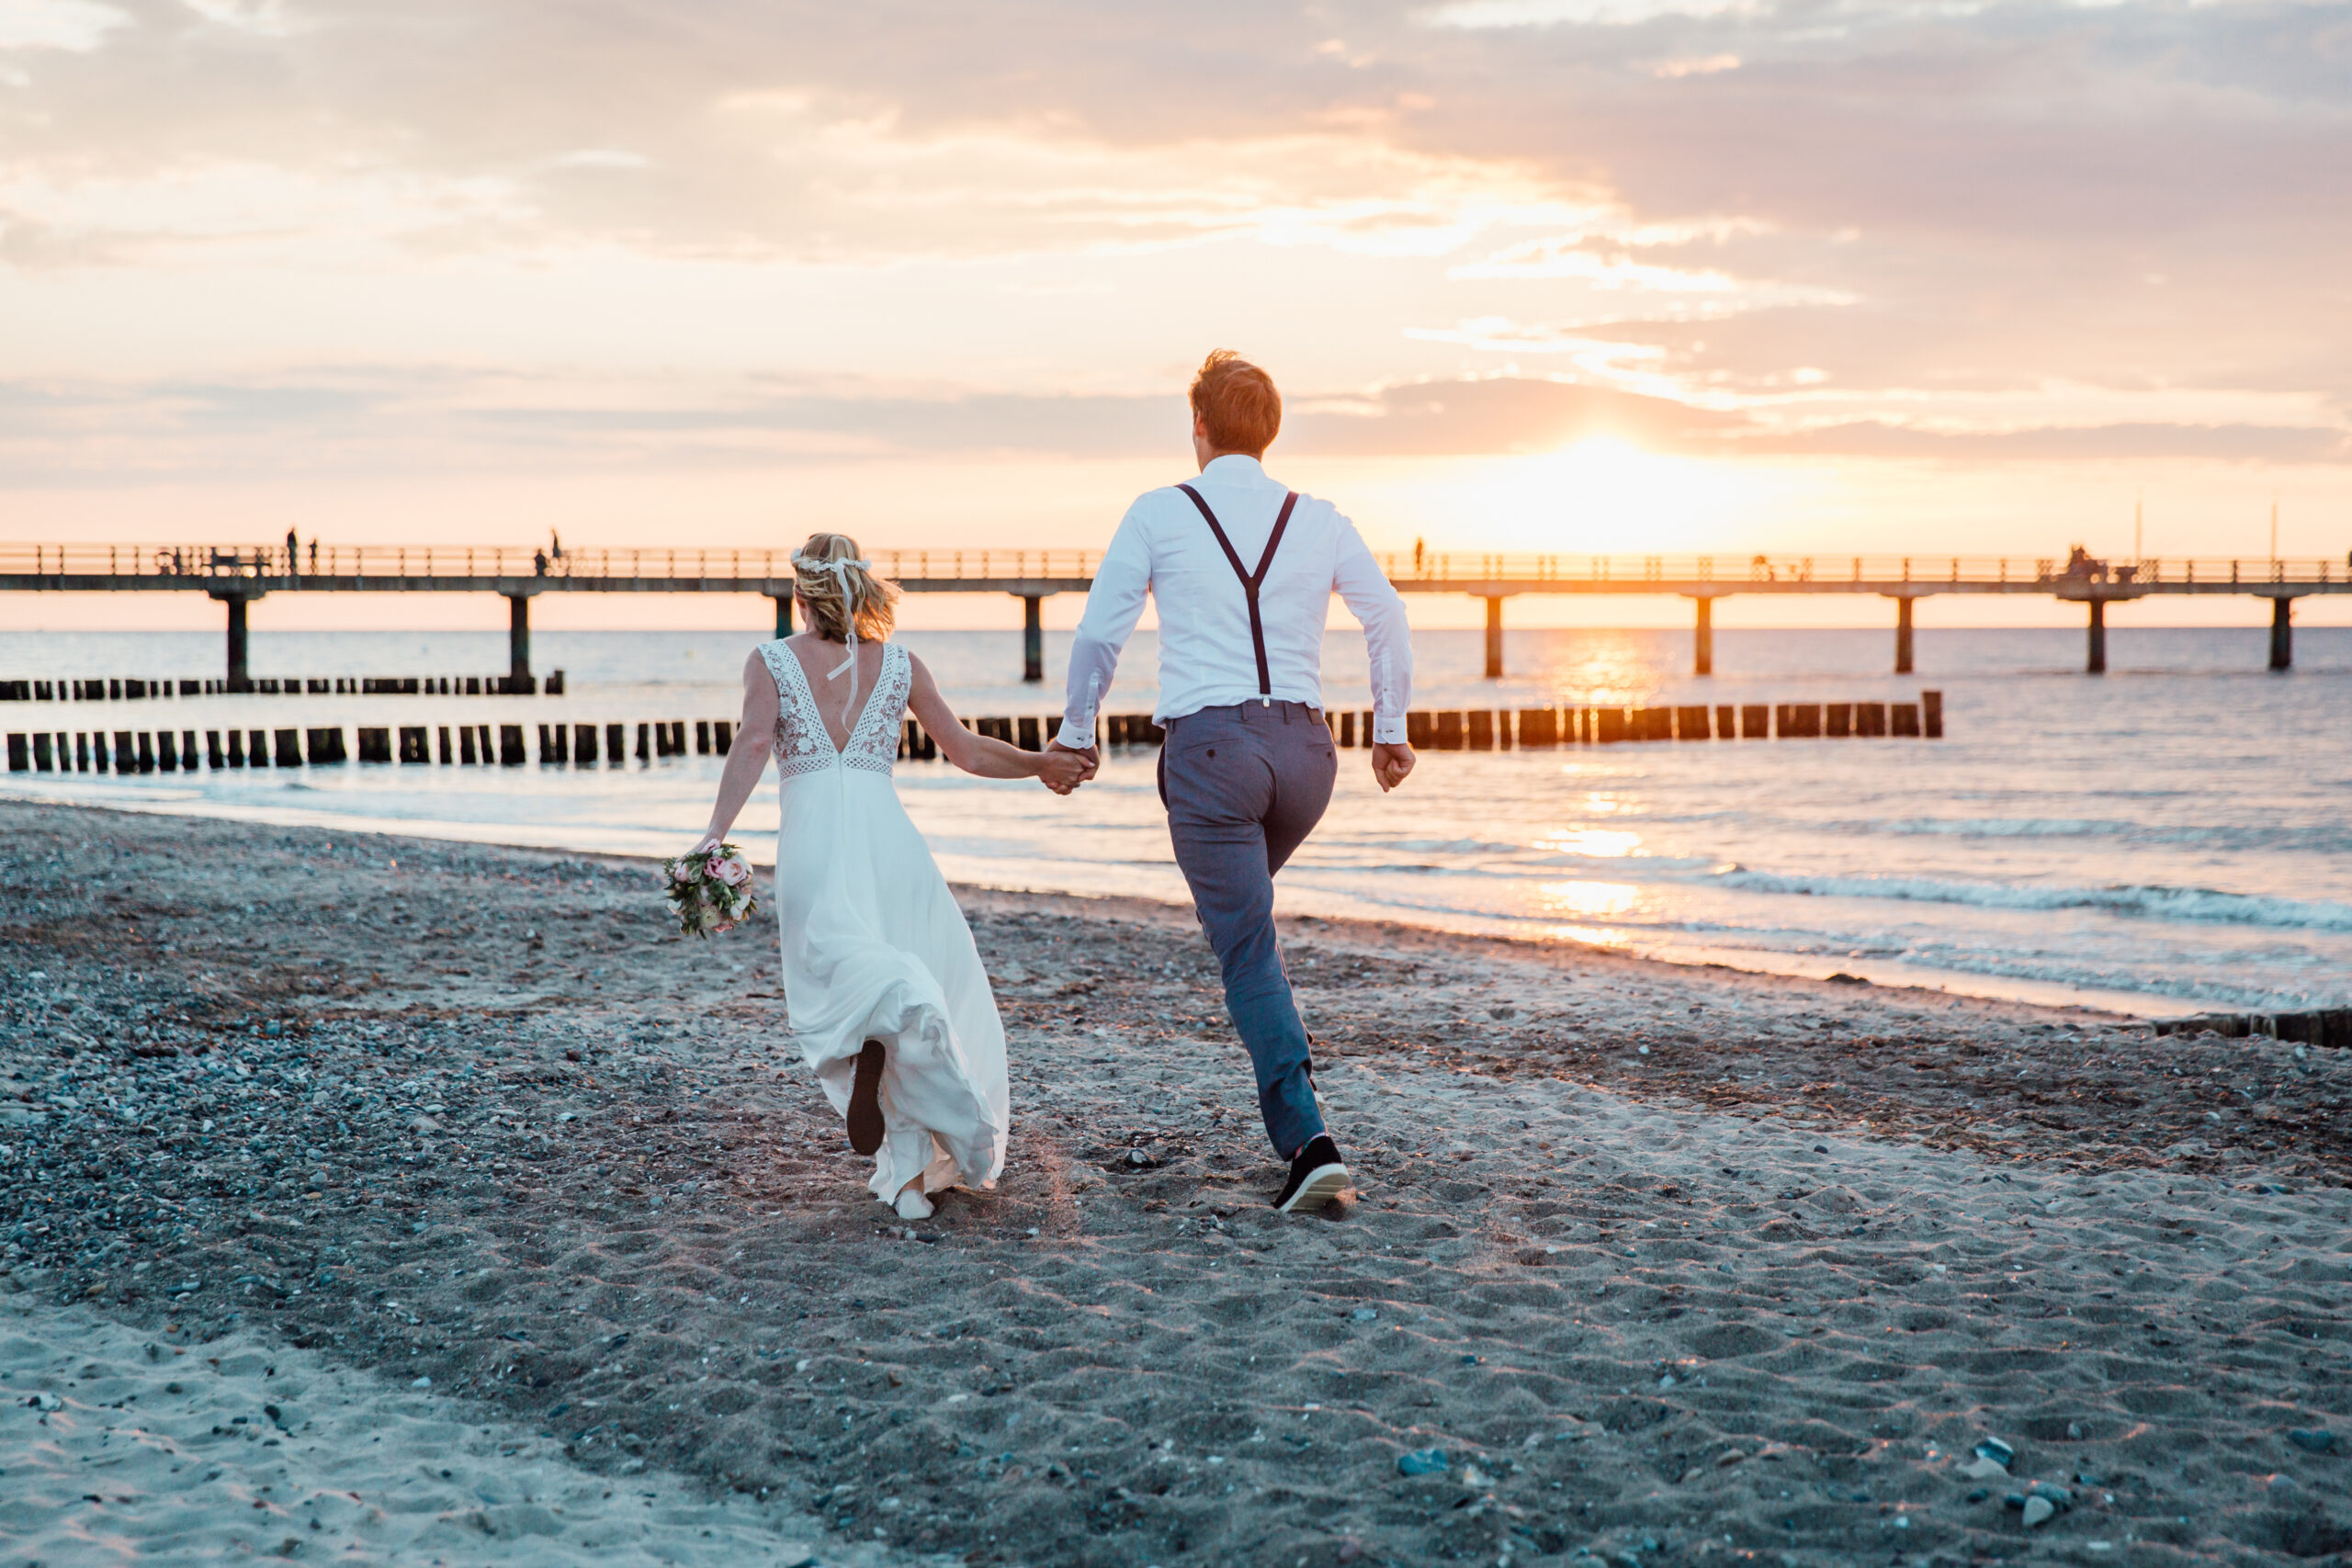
<point>866,1100</point>
<point>1320,1188</point>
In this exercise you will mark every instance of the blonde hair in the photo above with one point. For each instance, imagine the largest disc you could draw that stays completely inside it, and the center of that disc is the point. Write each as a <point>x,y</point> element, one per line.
<point>843,597</point>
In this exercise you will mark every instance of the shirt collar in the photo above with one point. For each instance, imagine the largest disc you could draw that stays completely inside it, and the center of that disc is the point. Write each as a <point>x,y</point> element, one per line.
<point>1237,466</point>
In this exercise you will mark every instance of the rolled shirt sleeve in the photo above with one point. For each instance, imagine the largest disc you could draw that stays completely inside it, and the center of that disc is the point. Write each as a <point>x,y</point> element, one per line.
<point>1387,637</point>
<point>1114,605</point>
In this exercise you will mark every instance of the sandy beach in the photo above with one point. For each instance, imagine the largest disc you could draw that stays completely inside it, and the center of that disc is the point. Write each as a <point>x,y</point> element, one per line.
<point>1648,1264</point>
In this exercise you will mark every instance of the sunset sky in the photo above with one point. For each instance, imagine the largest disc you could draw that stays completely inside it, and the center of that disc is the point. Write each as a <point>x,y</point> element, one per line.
<point>1574,275</point>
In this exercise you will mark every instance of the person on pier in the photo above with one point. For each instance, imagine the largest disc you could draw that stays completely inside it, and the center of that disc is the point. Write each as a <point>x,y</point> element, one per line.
<point>1247,765</point>
<point>882,985</point>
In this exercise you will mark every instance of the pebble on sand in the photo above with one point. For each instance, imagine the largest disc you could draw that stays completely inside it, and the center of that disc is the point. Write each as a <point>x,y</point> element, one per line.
<point>1421,1462</point>
<point>2315,1441</point>
<point>2038,1509</point>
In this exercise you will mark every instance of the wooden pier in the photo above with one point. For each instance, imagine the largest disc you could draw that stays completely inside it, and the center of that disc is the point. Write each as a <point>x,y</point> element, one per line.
<point>238,575</point>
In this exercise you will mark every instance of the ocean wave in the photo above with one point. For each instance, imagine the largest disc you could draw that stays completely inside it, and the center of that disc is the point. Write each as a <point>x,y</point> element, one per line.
<point>1999,827</point>
<point>2202,906</point>
<point>2297,837</point>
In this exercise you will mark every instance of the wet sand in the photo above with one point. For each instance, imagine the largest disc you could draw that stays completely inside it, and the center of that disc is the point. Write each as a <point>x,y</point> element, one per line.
<point>1648,1262</point>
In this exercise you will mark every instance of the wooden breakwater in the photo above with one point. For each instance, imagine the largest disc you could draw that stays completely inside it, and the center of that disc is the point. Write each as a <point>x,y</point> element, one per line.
<point>463,745</point>
<point>2323,1026</point>
<point>123,688</point>
<point>510,745</point>
<point>1530,729</point>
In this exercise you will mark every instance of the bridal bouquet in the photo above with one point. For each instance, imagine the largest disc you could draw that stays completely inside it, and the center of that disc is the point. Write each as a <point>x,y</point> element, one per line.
<point>711,889</point>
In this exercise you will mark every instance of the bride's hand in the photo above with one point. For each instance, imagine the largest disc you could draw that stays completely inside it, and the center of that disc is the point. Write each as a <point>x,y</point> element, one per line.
<point>707,841</point>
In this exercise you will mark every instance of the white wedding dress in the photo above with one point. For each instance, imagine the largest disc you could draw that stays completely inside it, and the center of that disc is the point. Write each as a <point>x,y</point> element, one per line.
<point>875,947</point>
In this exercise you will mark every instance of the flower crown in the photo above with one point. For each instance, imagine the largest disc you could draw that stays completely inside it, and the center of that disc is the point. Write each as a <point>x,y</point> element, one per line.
<point>840,569</point>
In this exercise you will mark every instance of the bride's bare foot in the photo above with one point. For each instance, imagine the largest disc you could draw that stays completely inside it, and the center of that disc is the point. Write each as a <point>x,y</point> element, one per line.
<point>865,1099</point>
<point>913,1204</point>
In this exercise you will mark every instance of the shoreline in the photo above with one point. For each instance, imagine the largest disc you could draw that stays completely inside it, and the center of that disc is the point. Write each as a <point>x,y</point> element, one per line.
<point>1739,1264</point>
<point>1680,954</point>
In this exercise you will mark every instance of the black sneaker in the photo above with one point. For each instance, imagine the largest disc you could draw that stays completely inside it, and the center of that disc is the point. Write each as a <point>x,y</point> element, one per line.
<point>1316,1177</point>
<point>865,1099</point>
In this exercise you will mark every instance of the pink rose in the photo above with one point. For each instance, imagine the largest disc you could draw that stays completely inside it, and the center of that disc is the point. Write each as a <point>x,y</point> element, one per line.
<point>684,872</point>
<point>731,871</point>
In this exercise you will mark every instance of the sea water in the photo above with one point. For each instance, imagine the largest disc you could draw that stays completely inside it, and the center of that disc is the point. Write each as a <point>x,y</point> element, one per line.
<point>2171,835</point>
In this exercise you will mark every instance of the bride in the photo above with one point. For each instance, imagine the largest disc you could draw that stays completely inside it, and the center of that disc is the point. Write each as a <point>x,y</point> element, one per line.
<point>882,984</point>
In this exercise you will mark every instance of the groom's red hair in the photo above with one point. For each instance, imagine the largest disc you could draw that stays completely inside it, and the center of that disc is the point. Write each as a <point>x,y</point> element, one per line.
<point>1236,404</point>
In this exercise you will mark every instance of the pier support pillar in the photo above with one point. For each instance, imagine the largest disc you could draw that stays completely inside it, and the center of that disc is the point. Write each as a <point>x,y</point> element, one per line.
<point>1033,638</point>
<point>239,678</point>
<point>2282,634</point>
<point>1903,637</point>
<point>1494,637</point>
<point>518,639</point>
<point>1703,639</point>
<point>2097,663</point>
<point>782,616</point>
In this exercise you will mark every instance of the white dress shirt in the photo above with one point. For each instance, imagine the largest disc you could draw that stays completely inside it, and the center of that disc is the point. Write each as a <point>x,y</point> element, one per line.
<point>1206,659</point>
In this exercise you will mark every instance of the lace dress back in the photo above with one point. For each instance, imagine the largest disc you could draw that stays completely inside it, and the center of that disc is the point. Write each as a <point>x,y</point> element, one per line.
<point>803,744</point>
<point>873,946</point>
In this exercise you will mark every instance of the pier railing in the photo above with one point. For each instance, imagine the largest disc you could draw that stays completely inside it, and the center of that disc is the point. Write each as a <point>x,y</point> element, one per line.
<point>389,563</point>
<point>1673,573</point>
<point>1525,571</point>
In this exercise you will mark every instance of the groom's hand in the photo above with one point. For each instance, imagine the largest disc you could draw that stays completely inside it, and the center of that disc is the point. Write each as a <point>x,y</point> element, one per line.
<point>1390,764</point>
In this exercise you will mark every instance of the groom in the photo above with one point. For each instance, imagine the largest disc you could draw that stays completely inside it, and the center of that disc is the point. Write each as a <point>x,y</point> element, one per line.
<point>1244,571</point>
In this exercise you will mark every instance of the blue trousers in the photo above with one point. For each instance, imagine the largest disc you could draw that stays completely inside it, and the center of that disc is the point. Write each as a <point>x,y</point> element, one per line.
<point>1244,785</point>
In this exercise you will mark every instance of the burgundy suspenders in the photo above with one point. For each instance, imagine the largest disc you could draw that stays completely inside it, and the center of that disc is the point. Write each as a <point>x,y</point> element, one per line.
<point>1250,583</point>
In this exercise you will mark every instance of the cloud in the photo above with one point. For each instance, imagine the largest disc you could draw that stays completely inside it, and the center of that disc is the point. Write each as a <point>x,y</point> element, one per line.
<point>1937,213</point>
<point>76,25</point>
<point>2100,443</point>
<point>360,421</point>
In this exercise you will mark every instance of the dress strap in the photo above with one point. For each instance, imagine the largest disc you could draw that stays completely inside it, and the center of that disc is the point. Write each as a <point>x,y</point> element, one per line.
<point>1252,582</point>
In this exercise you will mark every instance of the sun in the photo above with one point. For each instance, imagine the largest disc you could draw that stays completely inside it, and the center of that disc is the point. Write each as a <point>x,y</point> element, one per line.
<point>1607,495</point>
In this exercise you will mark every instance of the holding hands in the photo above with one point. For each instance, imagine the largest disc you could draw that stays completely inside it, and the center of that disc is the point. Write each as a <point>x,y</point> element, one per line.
<point>1062,769</point>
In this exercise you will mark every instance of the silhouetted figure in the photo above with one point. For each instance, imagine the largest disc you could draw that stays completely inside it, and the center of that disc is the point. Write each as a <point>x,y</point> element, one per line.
<point>315,555</point>
<point>539,559</point>
<point>1417,555</point>
<point>555,544</point>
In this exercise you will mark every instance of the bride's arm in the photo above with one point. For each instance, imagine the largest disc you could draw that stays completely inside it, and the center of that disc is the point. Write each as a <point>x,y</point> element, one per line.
<point>747,757</point>
<point>980,755</point>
